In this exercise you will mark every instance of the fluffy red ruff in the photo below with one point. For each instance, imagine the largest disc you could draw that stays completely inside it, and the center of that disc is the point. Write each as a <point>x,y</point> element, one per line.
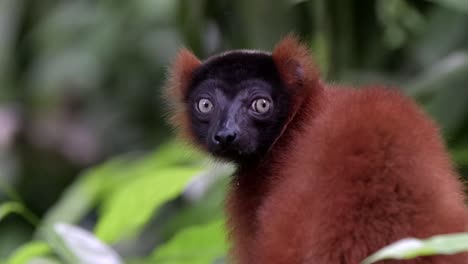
<point>369,170</point>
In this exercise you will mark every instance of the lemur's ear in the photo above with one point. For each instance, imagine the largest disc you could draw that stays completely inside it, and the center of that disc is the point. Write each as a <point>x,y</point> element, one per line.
<point>297,70</point>
<point>294,63</point>
<point>181,74</point>
<point>180,77</point>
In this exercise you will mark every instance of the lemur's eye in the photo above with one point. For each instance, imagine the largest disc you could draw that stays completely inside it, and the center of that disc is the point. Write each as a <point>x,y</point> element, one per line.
<point>204,106</point>
<point>261,105</point>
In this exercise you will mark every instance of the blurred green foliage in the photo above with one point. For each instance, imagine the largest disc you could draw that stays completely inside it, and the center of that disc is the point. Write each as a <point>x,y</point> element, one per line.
<point>83,137</point>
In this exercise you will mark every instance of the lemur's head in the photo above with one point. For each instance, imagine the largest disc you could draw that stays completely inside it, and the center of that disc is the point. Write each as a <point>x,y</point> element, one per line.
<point>236,104</point>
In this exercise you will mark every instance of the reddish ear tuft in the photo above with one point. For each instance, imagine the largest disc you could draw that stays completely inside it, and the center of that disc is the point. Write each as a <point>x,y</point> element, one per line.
<point>298,73</point>
<point>181,74</point>
<point>294,64</point>
<point>180,77</point>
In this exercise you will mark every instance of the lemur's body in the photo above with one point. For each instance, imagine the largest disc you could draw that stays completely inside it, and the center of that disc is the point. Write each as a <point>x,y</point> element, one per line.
<point>325,175</point>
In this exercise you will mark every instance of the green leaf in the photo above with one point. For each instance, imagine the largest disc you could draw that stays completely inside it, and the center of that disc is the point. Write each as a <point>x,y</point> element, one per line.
<point>85,247</point>
<point>8,208</point>
<point>79,199</point>
<point>170,155</point>
<point>76,201</point>
<point>411,247</point>
<point>111,182</point>
<point>132,205</point>
<point>195,245</point>
<point>205,205</point>
<point>16,207</point>
<point>28,251</point>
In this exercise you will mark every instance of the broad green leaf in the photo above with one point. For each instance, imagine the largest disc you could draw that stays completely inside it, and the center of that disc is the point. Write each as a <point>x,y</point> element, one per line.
<point>411,247</point>
<point>85,247</point>
<point>132,205</point>
<point>203,208</point>
<point>194,245</point>
<point>167,156</point>
<point>76,202</point>
<point>83,194</point>
<point>100,182</point>
<point>28,251</point>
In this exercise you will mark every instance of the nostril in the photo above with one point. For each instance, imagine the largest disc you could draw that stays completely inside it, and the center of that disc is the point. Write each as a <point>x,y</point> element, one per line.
<point>224,137</point>
<point>230,138</point>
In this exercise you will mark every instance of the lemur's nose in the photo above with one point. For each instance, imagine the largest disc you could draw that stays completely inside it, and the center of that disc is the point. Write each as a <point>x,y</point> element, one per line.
<point>225,137</point>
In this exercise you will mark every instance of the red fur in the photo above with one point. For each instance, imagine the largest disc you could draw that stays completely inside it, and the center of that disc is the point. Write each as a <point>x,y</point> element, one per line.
<point>369,170</point>
<point>353,171</point>
<point>297,71</point>
<point>176,88</point>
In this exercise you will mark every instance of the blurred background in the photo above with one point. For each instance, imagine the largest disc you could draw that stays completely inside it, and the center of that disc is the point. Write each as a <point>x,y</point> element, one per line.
<point>83,138</point>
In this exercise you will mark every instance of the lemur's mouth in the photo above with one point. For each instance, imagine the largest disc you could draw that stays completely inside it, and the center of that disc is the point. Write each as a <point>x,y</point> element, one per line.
<point>228,151</point>
<point>235,154</point>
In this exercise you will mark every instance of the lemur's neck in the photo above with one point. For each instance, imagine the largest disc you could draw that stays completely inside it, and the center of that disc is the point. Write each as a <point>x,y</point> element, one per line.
<point>253,181</point>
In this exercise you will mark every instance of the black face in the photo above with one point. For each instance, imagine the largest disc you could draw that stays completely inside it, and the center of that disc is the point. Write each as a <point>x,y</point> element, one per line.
<point>238,106</point>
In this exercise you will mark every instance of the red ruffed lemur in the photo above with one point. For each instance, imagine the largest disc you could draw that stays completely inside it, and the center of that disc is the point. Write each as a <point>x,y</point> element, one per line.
<point>324,175</point>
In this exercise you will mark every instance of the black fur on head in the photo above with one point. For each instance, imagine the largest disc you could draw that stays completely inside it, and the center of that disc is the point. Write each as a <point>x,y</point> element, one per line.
<point>237,105</point>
